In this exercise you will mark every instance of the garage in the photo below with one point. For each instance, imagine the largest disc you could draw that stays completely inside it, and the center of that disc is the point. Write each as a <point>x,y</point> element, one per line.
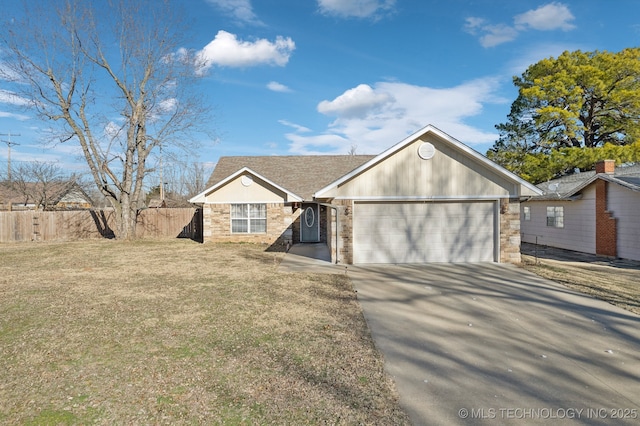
<point>419,232</point>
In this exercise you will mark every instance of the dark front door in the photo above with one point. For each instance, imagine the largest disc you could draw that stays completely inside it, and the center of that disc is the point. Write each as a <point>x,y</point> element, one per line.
<point>310,223</point>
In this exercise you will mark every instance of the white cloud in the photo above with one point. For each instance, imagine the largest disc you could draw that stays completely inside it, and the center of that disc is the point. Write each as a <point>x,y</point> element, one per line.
<point>278,87</point>
<point>355,8</point>
<point>297,127</point>
<point>11,98</point>
<point>497,34</point>
<point>473,24</point>
<point>241,10</point>
<point>227,51</point>
<point>355,102</point>
<point>552,16</point>
<point>373,118</point>
<point>18,117</point>
<point>167,105</point>
<point>112,130</point>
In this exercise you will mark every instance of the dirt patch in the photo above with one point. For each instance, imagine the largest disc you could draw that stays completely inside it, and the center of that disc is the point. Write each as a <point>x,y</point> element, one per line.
<point>175,332</point>
<point>614,281</point>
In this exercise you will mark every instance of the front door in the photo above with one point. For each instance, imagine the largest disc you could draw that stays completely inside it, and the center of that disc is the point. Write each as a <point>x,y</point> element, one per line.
<point>310,224</point>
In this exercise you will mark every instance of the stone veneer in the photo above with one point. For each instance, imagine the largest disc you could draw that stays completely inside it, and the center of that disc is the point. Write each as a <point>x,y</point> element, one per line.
<point>510,231</point>
<point>344,249</point>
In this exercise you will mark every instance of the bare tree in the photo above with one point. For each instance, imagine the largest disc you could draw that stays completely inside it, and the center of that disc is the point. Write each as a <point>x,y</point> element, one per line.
<point>187,179</point>
<point>182,178</point>
<point>196,179</point>
<point>37,182</point>
<point>118,105</point>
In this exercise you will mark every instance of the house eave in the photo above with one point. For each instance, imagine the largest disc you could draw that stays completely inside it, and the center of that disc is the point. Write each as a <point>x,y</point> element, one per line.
<point>201,197</point>
<point>459,145</point>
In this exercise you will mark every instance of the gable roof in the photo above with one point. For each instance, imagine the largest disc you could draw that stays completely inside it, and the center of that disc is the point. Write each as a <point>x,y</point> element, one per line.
<point>568,186</point>
<point>452,141</point>
<point>245,170</point>
<point>298,175</point>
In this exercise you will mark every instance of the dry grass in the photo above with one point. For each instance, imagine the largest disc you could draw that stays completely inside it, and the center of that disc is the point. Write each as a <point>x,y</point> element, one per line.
<point>174,332</point>
<point>619,286</point>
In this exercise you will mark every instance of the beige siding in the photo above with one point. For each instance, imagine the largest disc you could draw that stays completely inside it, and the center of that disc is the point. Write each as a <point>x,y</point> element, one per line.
<point>624,204</point>
<point>450,173</point>
<point>578,233</point>
<point>235,192</point>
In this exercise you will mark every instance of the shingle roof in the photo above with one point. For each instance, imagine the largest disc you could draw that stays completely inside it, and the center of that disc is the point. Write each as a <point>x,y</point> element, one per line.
<point>627,175</point>
<point>302,175</point>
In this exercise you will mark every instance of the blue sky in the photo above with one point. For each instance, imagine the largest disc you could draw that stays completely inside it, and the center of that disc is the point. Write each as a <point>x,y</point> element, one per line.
<point>290,77</point>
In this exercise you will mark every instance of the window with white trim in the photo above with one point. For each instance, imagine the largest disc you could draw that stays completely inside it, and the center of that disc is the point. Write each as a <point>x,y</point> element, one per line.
<point>555,216</point>
<point>526,212</point>
<point>248,218</point>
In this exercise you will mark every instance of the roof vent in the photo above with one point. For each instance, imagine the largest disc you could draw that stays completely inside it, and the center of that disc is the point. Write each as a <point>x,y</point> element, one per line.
<point>246,180</point>
<point>426,151</point>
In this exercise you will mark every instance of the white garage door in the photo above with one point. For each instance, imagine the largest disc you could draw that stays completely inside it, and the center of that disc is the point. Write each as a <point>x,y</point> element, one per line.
<point>424,232</point>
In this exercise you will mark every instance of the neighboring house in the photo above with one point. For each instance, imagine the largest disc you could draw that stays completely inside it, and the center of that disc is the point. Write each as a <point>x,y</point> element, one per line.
<point>428,198</point>
<point>170,201</point>
<point>156,203</point>
<point>67,195</point>
<point>595,212</point>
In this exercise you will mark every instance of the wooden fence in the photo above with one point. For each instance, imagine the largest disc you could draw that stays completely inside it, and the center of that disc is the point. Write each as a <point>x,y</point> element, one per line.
<point>83,224</point>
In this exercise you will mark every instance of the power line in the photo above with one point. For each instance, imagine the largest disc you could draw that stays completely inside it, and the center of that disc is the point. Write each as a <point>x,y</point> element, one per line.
<point>9,143</point>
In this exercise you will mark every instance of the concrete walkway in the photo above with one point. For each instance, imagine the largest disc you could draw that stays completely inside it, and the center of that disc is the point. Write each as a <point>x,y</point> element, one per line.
<point>309,258</point>
<point>493,344</point>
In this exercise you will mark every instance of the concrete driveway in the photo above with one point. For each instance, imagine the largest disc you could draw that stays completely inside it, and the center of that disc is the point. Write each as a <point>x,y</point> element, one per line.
<point>494,344</point>
<point>490,343</point>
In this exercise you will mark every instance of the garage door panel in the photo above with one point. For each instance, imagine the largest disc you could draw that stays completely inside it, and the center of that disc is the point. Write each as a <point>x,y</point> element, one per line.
<point>424,232</point>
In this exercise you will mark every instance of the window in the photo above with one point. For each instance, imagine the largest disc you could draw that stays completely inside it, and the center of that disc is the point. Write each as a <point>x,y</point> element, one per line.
<point>248,218</point>
<point>526,211</point>
<point>555,217</point>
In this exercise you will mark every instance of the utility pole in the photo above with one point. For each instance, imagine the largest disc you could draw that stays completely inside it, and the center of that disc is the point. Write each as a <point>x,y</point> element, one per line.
<point>9,145</point>
<point>161,178</point>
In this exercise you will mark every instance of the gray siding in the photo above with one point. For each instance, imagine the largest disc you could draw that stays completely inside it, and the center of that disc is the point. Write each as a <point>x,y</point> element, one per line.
<point>625,206</point>
<point>579,231</point>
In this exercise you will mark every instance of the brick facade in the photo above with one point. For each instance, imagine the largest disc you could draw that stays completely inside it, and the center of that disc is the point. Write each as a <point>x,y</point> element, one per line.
<point>606,166</point>
<point>606,225</point>
<point>280,224</point>
<point>283,225</point>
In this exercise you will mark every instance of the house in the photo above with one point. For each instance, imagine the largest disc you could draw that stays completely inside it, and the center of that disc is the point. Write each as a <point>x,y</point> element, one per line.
<point>595,212</point>
<point>429,198</point>
<point>59,195</point>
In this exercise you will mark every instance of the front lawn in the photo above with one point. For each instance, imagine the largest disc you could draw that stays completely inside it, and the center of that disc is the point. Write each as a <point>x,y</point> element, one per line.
<point>175,332</point>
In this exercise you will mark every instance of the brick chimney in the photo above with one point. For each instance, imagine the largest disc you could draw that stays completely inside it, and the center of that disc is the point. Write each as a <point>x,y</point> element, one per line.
<point>606,166</point>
